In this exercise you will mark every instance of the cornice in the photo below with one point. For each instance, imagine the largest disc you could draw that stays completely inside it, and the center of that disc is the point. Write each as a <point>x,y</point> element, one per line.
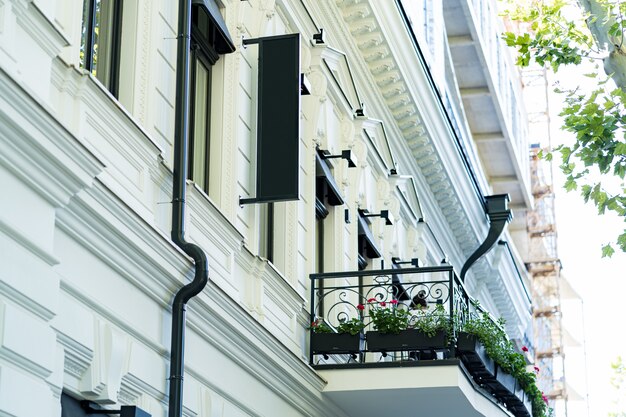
<point>38,149</point>
<point>34,22</point>
<point>107,227</point>
<point>411,102</point>
<point>405,100</point>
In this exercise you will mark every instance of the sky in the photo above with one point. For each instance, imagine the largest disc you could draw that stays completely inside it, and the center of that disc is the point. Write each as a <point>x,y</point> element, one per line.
<point>597,320</point>
<point>600,282</point>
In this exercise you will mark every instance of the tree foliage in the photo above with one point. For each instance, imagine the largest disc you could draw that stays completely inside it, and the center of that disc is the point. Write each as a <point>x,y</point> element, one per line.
<point>595,163</point>
<point>618,381</point>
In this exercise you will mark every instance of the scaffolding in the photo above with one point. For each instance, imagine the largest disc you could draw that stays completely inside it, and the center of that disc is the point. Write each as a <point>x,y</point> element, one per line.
<point>542,260</point>
<point>549,286</point>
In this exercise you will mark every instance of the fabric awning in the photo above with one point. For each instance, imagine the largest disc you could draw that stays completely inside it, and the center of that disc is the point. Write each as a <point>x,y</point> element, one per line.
<point>224,42</point>
<point>325,179</point>
<point>366,238</point>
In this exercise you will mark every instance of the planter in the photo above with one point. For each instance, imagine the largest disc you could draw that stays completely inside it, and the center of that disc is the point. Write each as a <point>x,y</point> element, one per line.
<point>528,406</point>
<point>522,407</point>
<point>409,339</point>
<point>503,386</point>
<point>336,343</point>
<point>474,357</point>
<point>516,403</point>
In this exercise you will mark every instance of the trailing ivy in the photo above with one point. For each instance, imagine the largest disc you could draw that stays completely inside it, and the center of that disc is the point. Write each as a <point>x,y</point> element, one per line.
<point>498,347</point>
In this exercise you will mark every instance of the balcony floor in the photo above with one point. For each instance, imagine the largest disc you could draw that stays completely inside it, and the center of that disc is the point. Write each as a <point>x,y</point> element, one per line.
<point>413,388</point>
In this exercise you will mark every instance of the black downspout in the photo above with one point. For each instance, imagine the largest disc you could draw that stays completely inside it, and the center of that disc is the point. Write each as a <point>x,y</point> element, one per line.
<point>201,277</point>
<point>499,215</point>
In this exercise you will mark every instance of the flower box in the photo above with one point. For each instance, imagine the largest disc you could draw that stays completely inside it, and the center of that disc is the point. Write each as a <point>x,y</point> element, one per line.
<point>528,407</point>
<point>474,357</point>
<point>521,407</point>
<point>336,343</point>
<point>515,403</point>
<point>503,386</point>
<point>409,339</point>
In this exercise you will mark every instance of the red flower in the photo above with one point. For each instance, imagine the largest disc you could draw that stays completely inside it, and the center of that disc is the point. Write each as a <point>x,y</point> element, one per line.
<point>524,349</point>
<point>382,303</point>
<point>360,307</point>
<point>536,369</point>
<point>314,324</point>
<point>544,398</point>
<point>371,300</point>
<point>394,301</point>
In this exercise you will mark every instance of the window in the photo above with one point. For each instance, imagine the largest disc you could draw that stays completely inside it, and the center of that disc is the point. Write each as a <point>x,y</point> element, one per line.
<point>266,234</point>
<point>209,39</point>
<point>101,40</point>
<point>203,57</point>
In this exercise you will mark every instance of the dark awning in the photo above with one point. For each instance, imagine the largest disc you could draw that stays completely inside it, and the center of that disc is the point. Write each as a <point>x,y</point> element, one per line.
<point>223,42</point>
<point>366,238</point>
<point>325,179</point>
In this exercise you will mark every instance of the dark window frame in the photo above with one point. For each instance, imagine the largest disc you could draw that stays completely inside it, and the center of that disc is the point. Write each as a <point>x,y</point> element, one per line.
<point>203,53</point>
<point>90,54</point>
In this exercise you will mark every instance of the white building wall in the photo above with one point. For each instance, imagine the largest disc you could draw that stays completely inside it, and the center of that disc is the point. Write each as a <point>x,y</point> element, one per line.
<point>88,269</point>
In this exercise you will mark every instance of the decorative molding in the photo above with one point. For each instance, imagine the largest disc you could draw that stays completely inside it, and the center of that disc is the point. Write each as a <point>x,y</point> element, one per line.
<point>24,241</point>
<point>259,352</point>
<point>385,71</point>
<point>373,46</point>
<point>105,225</point>
<point>77,357</point>
<point>44,32</point>
<point>38,149</point>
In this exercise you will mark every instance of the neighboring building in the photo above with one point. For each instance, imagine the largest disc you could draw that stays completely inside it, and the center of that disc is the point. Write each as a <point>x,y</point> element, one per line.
<point>422,94</point>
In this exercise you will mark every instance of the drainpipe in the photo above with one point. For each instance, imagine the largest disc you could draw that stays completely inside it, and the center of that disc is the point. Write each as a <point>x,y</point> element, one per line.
<point>200,279</point>
<point>499,215</point>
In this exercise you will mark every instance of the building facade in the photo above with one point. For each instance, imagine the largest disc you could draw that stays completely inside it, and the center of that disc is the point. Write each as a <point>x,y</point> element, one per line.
<point>420,96</point>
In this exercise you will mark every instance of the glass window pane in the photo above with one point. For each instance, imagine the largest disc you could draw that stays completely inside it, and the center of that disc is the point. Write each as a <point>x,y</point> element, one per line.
<point>201,126</point>
<point>100,40</point>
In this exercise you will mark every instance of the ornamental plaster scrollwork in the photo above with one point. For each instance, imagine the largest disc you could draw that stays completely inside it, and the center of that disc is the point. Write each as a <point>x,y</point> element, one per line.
<point>388,78</point>
<point>393,90</point>
<point>312,106</point>
<point>404,111</point>
<point>375,54</point>
<point>399,101</point>
<point>356,12</point>
<point>347,130</point>
<point>305,59</point>
<point>383,187</point>
<point>382,66</point>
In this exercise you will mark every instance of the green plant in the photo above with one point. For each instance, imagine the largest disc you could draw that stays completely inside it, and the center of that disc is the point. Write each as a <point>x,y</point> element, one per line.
<point>491,335</point>
<point>387,317</point>
<point>353,326</point>
<point>320,326</point>
<point>430,322</point>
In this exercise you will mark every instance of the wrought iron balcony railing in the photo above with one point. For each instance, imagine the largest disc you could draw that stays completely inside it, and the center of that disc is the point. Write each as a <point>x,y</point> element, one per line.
<point>431,299</point>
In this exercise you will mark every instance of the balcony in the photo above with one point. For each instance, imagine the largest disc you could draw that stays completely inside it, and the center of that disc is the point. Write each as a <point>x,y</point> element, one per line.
<point>490,90</point>
<point>433,366</point>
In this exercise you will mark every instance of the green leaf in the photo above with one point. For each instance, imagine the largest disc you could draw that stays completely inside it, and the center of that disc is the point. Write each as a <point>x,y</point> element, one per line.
<point>585,192</point>
<point>621,241</point>
<point>620,149</point>
<point>570,184</point>
<point>607,251</point>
